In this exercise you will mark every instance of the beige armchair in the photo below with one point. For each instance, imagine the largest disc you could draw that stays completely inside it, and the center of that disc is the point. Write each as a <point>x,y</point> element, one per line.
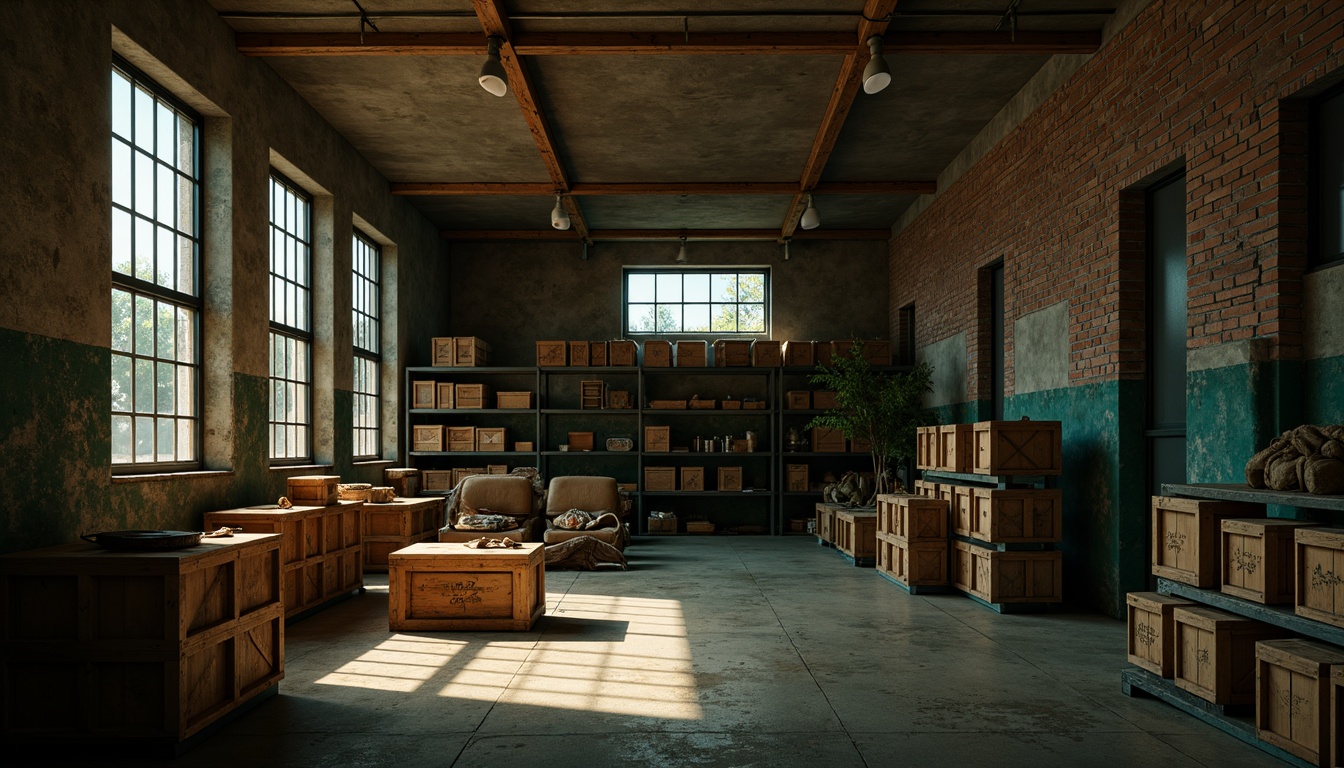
<point>590,494</point>
<point>509,495</point>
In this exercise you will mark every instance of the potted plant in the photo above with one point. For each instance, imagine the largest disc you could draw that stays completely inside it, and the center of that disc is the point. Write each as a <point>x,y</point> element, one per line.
<point>881,407</point>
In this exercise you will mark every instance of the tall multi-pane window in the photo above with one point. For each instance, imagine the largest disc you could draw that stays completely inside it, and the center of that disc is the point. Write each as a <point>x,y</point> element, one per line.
<point>696,301</point>
<point>291,321</point>
<point>1328,141</point>
<point>156,297</point>
<point>366,271</point>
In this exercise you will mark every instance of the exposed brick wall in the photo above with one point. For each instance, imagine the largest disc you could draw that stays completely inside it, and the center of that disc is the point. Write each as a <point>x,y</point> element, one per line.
<point>1213,85</point>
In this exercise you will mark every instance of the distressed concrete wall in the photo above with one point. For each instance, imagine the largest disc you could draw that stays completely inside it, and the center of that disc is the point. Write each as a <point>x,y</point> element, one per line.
<point>55,264</point>
<point>514,294</point>
<point>1042,340</point>
<point>948,360</point>
<point>1323,345</point>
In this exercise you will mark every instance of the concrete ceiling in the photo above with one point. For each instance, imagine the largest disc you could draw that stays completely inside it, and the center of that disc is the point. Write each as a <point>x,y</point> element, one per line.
<point>651,114</point>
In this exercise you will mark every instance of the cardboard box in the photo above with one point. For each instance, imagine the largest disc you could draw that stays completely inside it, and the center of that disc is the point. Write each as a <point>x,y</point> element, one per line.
<point>692,478</point>
<point>732,353</point>
<point>657,439</point>
<point>551,354</point>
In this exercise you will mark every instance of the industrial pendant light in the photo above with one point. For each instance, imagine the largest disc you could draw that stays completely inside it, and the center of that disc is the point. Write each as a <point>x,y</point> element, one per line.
<point>876,76</point>
<point>682,258</point>
<point>493,77</point>
<point>811,219</point>
<point>559,216</point>
<point>786,249</point>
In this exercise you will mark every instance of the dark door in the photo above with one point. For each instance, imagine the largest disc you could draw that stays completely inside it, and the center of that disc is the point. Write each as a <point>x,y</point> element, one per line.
<point>1166,323</point>
<point>997,365</point>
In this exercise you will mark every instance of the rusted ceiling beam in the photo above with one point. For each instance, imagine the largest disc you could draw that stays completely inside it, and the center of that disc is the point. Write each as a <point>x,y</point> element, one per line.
<point>579,189</point>
<point>276,44</point>
<point>660,234</point>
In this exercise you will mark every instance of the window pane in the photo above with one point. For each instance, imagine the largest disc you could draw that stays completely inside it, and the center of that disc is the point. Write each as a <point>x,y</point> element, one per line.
<point>696,287</point>
<point>186,205</point>
<point>144,439</point>
<point>166,327</point>
<point>690,301</point>
<point>725,317</point>
<point>669,288</point>
<point>121,383</point>
<point>167,134</point>
<point>144,120</point>
<point>186,265</point>
<point>697,318</point>
<point>186,391</point>
<point>186,327</point>
<point>121,321</point>
<point>750,318</point>
<point>165,186</point>
<point>144,325</point>
<point>165,388</point>
<point>641,288</point>
<point>121,439</point>
<point>669,318</point>
<point>640,318</point>
<point>121,242</point>
<point>144,184</point>
<point>144,386</point>
<point>164,257</point>
<point>121,105</point>
<point>751,287</point>
<point>121,173</point>
<point>144,250</point>
<point>186,145</point>
<point>186,440</point>
<point>166,433</point>
<point>724,287</point>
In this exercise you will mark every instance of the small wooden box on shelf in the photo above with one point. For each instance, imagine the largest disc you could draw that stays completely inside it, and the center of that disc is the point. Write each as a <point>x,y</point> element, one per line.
<point>1215,653</point>
<point>732,353</point>
<point>460,439</point>
<point>798,400</point>
<point>592,395</point>
<point>877,352</point>
<point>825,440</point>
<point>1257,559</point>
<point>766,353</point>
<point>1152,631</point>
<point>624,353</point>
<point>1293,696</point>
<point>598,353</point>
<point>580,441</point>
<point>660,478</point>
<point>552,354</point>
<point>692,354</point>
<point>926,447</point>
<point>472,396</point>
<point>799,354</point>
<point>462,473</point>
<point>423,394</point>
<point>405,481</point>
<point>470,351</point>
<point>730,479</point>
<point>445,396</point>
<point>657,354</point>
<point>796,477</point>
<point>692,478</point>
<point>1186,535</point>
<point>513,400</point>
<point>437,479</point>
<point>662,525</point>
<point>657,439</point>
<point>427,437</point>
<point>491,438</point>
<point>578,354</point>
<point>962,503</point>
<point>1320,574</point>
<point>441,352</point>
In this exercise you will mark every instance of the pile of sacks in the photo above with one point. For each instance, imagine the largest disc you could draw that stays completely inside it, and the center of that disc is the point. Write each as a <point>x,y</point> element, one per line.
<point>1309,458</point>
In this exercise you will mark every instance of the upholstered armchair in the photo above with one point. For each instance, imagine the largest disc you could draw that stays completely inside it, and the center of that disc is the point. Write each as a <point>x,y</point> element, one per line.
<point>509,495</point>
<point>588,494</point>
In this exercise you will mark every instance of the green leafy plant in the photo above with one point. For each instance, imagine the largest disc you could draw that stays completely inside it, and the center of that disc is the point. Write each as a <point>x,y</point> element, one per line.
<point>881,407</point>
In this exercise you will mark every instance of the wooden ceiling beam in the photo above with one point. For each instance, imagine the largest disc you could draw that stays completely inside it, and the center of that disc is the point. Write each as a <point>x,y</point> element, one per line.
<point>579,189</point>
<point>277,44</point>
<point>541,235</point>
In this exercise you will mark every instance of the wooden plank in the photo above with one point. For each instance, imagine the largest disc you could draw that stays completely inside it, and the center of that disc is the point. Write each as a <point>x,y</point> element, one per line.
<point>1269,614</point>
<point>357,44</point>
<point>1242,492</point>
<point>992,43</point>
<point>986,481</point>
<point>659,234</point>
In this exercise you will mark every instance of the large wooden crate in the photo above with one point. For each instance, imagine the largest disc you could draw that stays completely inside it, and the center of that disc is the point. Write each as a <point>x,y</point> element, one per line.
<point>321,548</point>
<point>954,447</point>
<point>1257,559</point>
<point>400,523</point>
<point>1007,577</point>
<point>1215,653</point>
<point>1186,535</point>
<point>825,527</point>
<point>1293,696</point>
<point>1018,448</point>
<point>962,507</point>
<point>437,586</point>
<point>856,535</point>
<point>913,564</point>
<point>145,647</point>
<point>1014,516</point>
<point>926,447</point>
<point>1152,631</point>
<point>912,518</point>
<point>1320,574</point>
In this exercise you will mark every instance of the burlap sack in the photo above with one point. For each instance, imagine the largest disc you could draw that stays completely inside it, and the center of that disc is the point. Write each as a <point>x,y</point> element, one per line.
<point>1323,475</point>
<point>1333,449</point>
<point>1281,471</point>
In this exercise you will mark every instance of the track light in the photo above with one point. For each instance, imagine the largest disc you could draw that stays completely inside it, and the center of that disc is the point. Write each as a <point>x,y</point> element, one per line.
<point>493,77</point>
<point>559,216</point>
<point>876,76</point>
<point>811,219</point>
<point>682,258</point>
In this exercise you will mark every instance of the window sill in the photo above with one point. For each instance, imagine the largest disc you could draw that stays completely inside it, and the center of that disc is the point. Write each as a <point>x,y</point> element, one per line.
<point>292,467</point>
<point>374,463</point>
<point>153,477</point>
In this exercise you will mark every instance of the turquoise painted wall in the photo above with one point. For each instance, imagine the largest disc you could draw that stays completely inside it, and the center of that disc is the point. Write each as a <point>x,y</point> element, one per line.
<point>1323,390</point>
<point>1234,411</point>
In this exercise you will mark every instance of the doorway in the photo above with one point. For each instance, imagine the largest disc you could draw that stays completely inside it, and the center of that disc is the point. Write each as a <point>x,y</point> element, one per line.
<point>1166,323</point>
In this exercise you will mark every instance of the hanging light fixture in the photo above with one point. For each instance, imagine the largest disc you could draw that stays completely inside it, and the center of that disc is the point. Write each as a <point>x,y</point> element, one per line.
<point>493,77</point>
<point>682,258</point>
<point>559,216</point>
<point>786,249</point>
<point>811,219</point>
<point>876,75</point>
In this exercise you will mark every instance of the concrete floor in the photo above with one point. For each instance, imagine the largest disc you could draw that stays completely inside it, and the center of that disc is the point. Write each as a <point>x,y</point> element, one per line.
<point>715,651</point>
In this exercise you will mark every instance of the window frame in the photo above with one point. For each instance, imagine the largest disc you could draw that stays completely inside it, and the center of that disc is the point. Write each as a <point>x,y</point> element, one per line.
<point>363,354</point>
<point>138,287</point>
<point>1317,201</point>
<point>284,331</point>
<point>763,271</point>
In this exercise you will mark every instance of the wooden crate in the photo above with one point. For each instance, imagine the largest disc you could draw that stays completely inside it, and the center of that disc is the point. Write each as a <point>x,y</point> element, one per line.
<point>461,439</point>
<point>796,477</point>
<point>876,351</point>
<point>321,548</point>
<point>1152,631</point>
<point>913,564</point>
<point>732,353</point>
<point>662,525</point>
<point>657,439</point>
<point>597,354</point>
<point>444,396</point>
<point>926,447</point>
<point>623,353</point>
<point>730,479</point>
<point>422,394</point>
<point>472,396</point>
<point>692,478</point>
<point>657,354</point>
<point>824,399</point>
<point>667,405</point>
<point>692,354</point>
<point>313,490</point>
<point>619,399</point>
<point>396,524</point>
<point>915,518</point>
<point>954,447</point>
<point>826,440</point>
<point>962,507</point>
<point>1018,448</point>
<point>798,400</point>
<point>405,481</point>
<point>148,647</point>
<point>825,526</point>
<point>462,473</point>
<point>1293,682</point>
<point>1186,536</point>
<point>699,526</point>
<point>578,354</point>
<point>524,446</point>
<point>702,404</point>
<point>426,437</point>
<point>592,394</point>
<point>824,351</point>
<point>926,488</point>
<point>1257,559</point>
<point>580,441</point>
<point>496,469</point>
<point>434,586</point>
<point>552,354</point>
<point>1215,653</point>
<point>491,438</point>
<point>1017,516</point>
<point>437,479</point>
<point>856,535</point>
<point>766,353</point>
<point>660,478</point>
<point>513,400</point>
<point>800,354</point>
<point>731,405</point>
<point>1003,578</point>
<point>441,352</point>
<point>1320,574</point>
<point>860,445</point>
<point>470,351</point>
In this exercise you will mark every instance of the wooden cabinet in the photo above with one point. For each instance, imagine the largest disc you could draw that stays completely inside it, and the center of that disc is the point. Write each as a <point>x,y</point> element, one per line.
<point>148,647</point>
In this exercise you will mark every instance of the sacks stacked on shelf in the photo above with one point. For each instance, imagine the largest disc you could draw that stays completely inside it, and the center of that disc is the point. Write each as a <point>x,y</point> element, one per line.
<point>1309,458</point>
